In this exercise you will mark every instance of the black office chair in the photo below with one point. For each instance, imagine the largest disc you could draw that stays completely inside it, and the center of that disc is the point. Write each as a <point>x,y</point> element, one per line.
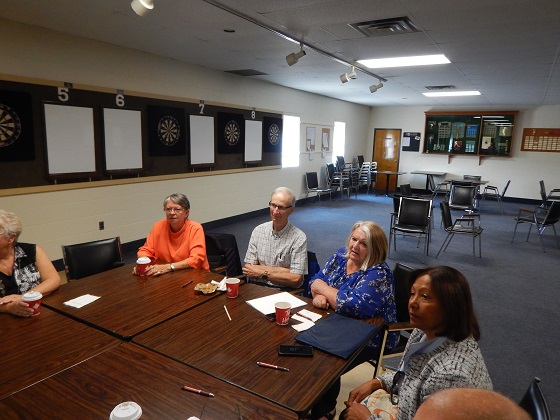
<point>406,190</point>
<point>89,258</point>
<point>554,193</point>
<point>534,402</point>
<point>312,186</point>
<point>490,191</point>
<point>413,219</point>
<point>223,254</point>
<point>462,197</point>
<point>541,218</point>
<point>465,225</point>
<point>401,274</point>
<point>313,268</point>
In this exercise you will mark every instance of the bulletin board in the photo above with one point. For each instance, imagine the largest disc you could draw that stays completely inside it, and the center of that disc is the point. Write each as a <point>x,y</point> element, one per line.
<point>541,140</point>
<point>123,139</point>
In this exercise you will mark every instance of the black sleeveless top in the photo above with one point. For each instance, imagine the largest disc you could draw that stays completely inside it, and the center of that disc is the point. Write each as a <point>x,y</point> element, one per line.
<point>25,274</point>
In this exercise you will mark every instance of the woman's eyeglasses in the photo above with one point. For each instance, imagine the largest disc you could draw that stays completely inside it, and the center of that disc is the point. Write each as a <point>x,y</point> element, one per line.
<point>276,206</point>
<point>394,395</point>
<point>173,210</point>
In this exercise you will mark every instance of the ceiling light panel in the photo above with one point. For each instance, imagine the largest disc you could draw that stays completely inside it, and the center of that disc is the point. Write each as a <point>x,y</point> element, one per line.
<point>418,60</point>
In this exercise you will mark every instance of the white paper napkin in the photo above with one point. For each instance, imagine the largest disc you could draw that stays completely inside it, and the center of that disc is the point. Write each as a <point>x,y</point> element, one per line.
<point>81,301</point>
<point>221,284</point>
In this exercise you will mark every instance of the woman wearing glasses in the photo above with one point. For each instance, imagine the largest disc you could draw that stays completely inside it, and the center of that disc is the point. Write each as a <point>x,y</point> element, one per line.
<point>442,351</point>
<point>356,282</point>
<point>23,268</point>
<point>175,243</point>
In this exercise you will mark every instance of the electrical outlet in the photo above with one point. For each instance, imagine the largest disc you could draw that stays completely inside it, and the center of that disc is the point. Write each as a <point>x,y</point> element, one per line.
<point>101,225</point>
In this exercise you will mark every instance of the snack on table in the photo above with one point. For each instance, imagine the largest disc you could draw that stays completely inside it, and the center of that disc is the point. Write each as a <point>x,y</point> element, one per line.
<point>206,288</point>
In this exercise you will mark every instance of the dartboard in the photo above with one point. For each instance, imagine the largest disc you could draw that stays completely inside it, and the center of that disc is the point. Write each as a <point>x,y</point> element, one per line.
<point>232,133</point>
<point>168,130</point>
<point>10,126</point>
<point>274,134</point>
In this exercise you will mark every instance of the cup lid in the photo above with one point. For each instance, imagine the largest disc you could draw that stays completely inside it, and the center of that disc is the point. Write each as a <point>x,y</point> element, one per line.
<point>126,411</point>
<point>232,280</point>
<point>143,260</point>
<point>31,296</point>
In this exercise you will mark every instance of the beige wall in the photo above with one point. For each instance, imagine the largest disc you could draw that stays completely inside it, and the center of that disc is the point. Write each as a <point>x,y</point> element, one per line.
<point>129,210</point>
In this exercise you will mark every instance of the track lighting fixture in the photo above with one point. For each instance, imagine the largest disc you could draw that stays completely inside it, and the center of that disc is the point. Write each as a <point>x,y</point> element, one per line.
<point>374,88</point>
<point>293,58</point>
<point>141,7</point>
<point>347,76</point>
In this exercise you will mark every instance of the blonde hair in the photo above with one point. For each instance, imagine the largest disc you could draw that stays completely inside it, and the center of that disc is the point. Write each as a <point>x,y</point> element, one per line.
<point>376,242</point>
<point>10,224</point>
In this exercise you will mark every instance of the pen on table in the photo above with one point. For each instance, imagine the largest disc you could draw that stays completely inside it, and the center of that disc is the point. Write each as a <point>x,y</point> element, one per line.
<point>227,313</point>
<point>186,284</point>
<point>304,316</point>
<point>262,364</point>
<point>197,391</point>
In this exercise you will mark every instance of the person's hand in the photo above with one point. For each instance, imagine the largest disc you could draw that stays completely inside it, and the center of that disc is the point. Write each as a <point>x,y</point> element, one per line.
<point>253,270</point>
<point>317,286</point>
<point>364,390</point>
<point>157,269</point>
<point>356,411</point>
<point>320,302</point>
<point>13,304</point>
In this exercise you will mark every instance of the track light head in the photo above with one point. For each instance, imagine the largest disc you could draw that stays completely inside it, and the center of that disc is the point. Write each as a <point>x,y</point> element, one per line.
<point>374,88</point>
<point>141,7</point>
<point>347,76</point>
<point>293,58</point>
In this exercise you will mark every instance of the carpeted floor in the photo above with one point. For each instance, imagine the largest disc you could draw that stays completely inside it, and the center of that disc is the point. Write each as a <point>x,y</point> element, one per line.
<point>515,286</point>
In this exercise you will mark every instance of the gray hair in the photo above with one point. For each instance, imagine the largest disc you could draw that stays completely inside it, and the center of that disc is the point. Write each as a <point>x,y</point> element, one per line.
<point>288,192</point>
<point>9,224</point>
<point>180,199</point>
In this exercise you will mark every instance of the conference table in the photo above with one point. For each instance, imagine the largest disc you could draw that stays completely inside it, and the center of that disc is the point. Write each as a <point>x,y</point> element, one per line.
<point>34,348</point>
<point>92,388</point>
<point>130,304</point>
<point>429,177</point>
<point>207,340</point>
<point>389,173</point>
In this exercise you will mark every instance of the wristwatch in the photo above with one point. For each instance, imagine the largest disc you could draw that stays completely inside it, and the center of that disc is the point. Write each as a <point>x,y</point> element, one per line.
<point>172,267</point>
<point>264,276</point>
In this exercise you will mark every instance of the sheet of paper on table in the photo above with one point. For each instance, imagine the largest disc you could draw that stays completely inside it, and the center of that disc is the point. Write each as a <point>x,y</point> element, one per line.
<point>81,301</point>
<point>265,305</point>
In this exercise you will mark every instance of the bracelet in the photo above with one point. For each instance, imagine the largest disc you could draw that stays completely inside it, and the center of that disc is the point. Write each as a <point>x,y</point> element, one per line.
<point>381,383</point>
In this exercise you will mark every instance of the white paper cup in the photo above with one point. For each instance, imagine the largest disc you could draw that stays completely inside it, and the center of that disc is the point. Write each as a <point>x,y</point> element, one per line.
<point>126,411</point>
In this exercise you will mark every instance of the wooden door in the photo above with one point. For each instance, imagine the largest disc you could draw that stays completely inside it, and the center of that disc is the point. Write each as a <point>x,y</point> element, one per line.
<point>386,147</point>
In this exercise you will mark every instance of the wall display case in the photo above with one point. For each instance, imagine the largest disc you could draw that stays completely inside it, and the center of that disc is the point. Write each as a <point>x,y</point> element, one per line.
<point>469,133</point>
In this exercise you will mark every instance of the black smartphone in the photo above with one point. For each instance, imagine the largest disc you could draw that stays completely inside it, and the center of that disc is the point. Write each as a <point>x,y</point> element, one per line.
<point>271,317</point>
<point>295,350</point>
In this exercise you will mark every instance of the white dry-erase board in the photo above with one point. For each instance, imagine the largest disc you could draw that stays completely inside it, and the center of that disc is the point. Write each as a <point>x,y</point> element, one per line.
<point>70,139</point>
<point>253,141</point>
<point>123,139</point>
<point>202,139</point>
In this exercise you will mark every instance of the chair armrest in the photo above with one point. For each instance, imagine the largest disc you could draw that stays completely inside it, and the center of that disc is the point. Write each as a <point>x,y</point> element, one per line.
<point>399,326</point>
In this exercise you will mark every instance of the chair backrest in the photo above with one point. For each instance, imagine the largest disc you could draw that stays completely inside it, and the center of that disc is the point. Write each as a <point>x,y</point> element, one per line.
<point>89,258</point>
<point>462,183</point>
<point>553,214</point>
<point>313,268</point>
<point>360,160</point>
<point>330,173</point>
<point>224,244</point>
<point>311,180</point>
<point>401,274</point>
<point>406,190</point>
<point>340,163</point>
<point>543,192</point>
<point>445,215</point>
<point>414,211</point>
<point>505,188</point>
<point>473,177</point>
<point>462,195</point>
<point>534,402</point>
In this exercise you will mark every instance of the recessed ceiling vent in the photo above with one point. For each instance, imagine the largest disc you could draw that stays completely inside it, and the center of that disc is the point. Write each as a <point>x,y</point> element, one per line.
<point>247,72</point>
<point>385,27</point>
<point>441,87</point>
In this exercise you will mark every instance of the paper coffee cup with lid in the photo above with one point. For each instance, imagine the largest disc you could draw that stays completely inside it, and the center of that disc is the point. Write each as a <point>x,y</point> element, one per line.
<point>142,265</point>
<point>126,411</point>
<point>33,300</point>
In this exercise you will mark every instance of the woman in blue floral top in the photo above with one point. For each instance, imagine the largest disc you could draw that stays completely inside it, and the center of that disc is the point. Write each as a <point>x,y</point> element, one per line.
<point>356,282</point>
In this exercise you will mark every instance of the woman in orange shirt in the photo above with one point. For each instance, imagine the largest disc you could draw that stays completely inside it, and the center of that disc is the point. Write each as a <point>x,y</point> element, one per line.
<point>176,241</point>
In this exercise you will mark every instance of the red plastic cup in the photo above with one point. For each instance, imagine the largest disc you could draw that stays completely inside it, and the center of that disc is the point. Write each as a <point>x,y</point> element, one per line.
<point>232,287</point>
<point>33,300</point>
<point>142,265</point>
<point>283,312</point>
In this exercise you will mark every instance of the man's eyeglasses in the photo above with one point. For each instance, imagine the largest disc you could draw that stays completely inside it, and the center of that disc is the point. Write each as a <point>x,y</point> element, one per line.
<point>276,206</point>
<point>394,395</point>
<point>173,210</point>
